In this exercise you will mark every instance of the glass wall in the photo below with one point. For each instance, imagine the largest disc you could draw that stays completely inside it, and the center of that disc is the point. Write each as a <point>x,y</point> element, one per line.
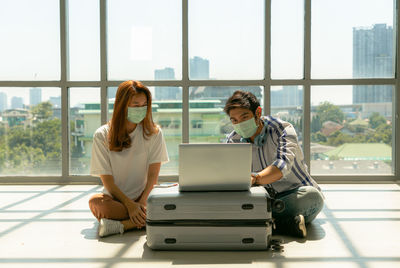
<point>327,67</point>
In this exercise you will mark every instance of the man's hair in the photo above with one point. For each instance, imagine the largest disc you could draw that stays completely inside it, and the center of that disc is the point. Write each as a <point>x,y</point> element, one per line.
<point>242,99</point>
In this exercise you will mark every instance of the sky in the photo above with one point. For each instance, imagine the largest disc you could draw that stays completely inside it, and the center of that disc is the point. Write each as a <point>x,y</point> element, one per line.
<point>146,35</point>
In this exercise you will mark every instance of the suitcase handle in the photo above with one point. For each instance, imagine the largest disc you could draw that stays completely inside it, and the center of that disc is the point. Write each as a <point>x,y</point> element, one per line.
<point>170,240</point>
<point>248,240</point>
<point>169,207</point>
<point>247,206</point>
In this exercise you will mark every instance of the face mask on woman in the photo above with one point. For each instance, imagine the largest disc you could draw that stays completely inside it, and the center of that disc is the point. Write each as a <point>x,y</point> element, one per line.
<point>247,128</point>
<point>137,114</point>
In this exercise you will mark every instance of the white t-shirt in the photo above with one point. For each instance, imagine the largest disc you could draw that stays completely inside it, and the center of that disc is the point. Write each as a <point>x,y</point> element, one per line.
<point>128,167</point>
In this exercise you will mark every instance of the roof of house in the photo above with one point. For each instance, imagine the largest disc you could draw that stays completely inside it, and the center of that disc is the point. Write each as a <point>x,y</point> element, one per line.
<point>362,151</point>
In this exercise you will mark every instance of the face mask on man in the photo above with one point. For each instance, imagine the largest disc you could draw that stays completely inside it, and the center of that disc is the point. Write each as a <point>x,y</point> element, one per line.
<point>247,128</point>
<point>137,114</point>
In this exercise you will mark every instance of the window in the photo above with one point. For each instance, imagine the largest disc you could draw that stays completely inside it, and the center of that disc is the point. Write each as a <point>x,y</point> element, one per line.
<point>84,119</point>
<point>30,40</point>
<point>351,130</point>
<point>30,131</point>
<point>327,67</point>
<point>225,42</point>
<point>352,39</point>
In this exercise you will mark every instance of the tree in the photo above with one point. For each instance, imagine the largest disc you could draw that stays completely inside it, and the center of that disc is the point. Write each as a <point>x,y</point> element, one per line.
<point>375,120</point>
<point>318,137</point>
<point>31,148</point>
<point>383,133</point>
<point>326,111</point>
<point>338,138</point>
<point>316,124</point>
<point>43,111</point>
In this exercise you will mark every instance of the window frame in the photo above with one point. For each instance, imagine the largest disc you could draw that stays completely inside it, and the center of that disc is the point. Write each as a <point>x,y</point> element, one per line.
<point>185,84</point>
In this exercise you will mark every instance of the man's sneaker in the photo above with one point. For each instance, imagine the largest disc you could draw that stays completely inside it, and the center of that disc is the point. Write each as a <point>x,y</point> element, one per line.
<point>299,228</point>
<point>110,227</point>
<point>295,226</point>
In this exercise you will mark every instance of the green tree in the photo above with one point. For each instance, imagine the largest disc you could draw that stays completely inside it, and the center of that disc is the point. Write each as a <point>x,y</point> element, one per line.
<point>316,124</point>
<point>43,111</point>
<point>383,133</point>
<point>318,137</point>
<point>338,138</point>
<point>326,111</point>
<point>375,120</point>
<point>24,149</point>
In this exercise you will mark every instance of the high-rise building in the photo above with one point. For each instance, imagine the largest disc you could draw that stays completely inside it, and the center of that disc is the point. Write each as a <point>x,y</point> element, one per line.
<point>166,93</point>
<point>35,96</point>
<point>56,101</point>
<point>199,68</point>
<point>17,103</point>
<point>3,101</point>
<point>112,92</point>
<point>288,96</point>
<point>372,57</point>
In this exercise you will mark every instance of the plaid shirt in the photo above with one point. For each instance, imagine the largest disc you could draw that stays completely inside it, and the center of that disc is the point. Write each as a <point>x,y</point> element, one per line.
<point>280,149</point>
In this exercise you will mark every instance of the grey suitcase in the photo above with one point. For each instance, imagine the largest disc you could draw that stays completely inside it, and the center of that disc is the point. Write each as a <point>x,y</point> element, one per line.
<point>236,220</point>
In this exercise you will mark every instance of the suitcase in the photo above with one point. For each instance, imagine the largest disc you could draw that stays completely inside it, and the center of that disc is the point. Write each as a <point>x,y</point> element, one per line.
<point>236,220</point>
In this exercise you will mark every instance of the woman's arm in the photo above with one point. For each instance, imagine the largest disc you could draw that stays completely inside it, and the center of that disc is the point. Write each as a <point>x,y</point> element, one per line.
<point>136,211</point>
<point>152,177</point>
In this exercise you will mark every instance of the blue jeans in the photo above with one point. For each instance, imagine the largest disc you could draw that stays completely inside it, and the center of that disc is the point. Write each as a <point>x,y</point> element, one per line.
<point>305,200</point>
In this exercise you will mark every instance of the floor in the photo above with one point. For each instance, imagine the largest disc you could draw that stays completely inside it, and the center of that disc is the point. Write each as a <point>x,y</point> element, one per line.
<point>51,226</point>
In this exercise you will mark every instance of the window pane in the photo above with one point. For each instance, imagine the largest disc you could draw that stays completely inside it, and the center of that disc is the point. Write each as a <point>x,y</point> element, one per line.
<point>84,40</point>
<point>349,136</point>
<point>167,113</point>
<point>287,30</point>
<point>226,39</point>
<point>148,37</point>
<point>30,40</point>
<point>352,38</point>
<point>85,118</point>
<point>287,104</point>
<point>207,120</point>
<point>30,131</point>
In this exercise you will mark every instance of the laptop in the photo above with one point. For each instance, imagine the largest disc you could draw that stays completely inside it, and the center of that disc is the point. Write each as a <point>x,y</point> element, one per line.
<point>215,167</point>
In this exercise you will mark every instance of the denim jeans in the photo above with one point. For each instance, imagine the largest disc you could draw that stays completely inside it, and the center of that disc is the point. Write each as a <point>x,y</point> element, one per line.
<point>305,200</point>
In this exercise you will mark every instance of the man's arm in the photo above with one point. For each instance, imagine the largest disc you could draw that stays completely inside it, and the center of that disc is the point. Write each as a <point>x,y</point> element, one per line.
<point>268,175</point>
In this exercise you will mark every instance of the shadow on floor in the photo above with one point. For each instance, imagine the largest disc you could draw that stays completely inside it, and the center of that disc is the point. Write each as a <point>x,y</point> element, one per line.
<point>315,232</point>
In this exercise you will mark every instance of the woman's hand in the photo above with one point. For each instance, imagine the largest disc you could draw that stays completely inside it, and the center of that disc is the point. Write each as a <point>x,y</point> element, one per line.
<point>137,213</point>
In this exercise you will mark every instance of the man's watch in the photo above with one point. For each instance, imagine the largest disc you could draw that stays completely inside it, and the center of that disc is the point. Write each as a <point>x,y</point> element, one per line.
<point>256,175</point>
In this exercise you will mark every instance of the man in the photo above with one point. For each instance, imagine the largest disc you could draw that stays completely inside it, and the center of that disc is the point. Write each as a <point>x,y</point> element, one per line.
<point>277,163</point>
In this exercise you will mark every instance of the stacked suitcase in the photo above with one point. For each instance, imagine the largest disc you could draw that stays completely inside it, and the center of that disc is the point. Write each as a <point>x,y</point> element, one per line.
<point>234,220</point>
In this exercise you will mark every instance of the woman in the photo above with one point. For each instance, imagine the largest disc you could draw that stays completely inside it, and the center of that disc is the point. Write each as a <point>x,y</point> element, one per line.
<point>127,154</point>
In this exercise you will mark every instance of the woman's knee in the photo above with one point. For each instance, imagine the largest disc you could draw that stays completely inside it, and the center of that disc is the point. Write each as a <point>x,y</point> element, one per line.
<point>96,203</point>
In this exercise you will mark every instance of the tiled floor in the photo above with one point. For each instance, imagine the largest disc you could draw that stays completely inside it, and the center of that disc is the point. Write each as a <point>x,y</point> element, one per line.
<point>51,226</point>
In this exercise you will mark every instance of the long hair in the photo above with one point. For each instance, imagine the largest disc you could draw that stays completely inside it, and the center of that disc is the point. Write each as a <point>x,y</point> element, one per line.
<point>118,136</point>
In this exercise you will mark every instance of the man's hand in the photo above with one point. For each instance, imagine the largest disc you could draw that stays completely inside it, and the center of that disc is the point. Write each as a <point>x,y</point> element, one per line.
<point>254,177</point>
<point>137,213</point>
